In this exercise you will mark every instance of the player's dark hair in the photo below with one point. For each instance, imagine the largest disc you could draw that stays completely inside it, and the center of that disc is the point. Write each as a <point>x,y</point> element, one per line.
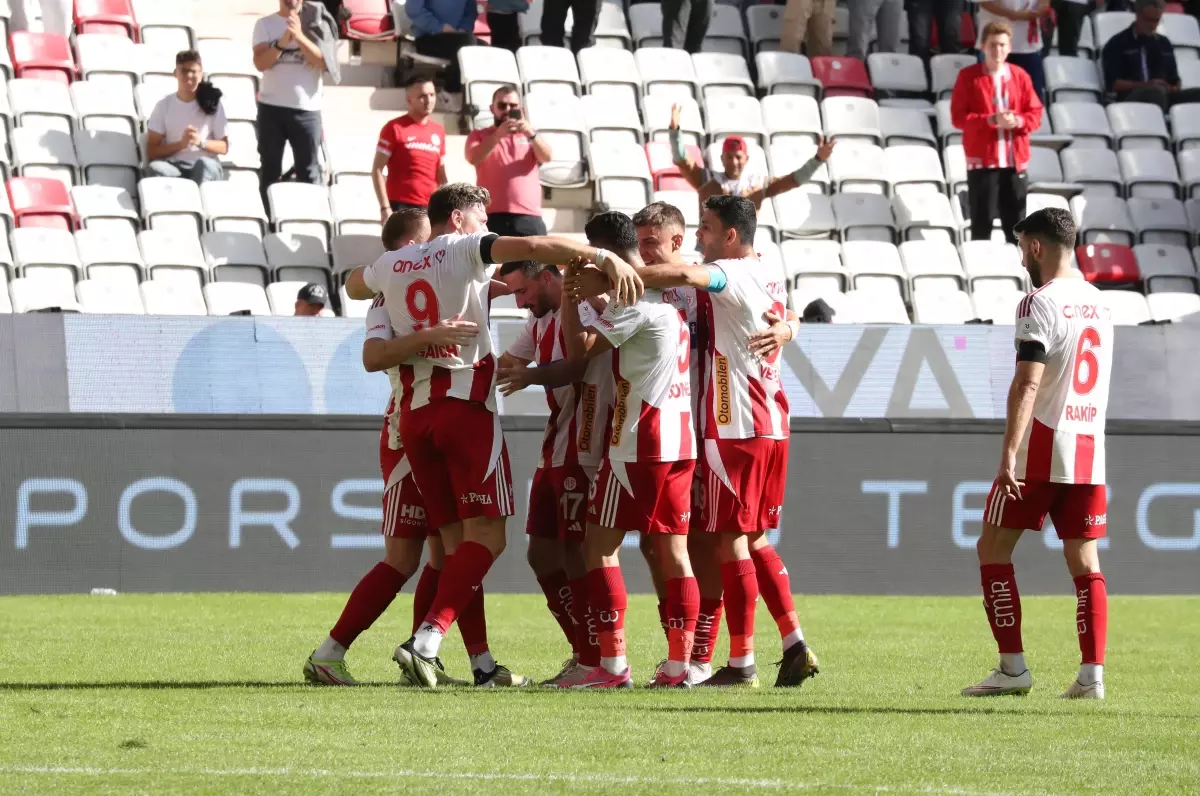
<point>417,80</point>
<point>188,57</point>
<point>1049,225</point>
<point>529,268</point>
<point>402,225</point>
<point>614,231</point>
<point>736,213</point>
<point>455,196</point>
<point>660,214</point>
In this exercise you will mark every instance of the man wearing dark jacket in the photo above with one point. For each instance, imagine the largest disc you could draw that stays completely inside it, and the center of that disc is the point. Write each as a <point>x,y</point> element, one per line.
<point>1139,63</point>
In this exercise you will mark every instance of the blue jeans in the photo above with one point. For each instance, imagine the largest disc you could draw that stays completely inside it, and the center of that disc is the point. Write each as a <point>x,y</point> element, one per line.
<point>199,171</point>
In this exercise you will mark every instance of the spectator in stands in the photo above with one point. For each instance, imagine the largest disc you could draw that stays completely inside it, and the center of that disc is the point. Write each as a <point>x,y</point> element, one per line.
<point>554,22</point>
<point>506,157</point>
<point>186,131</point>
<point>412,148</point>
<point>442,28</point>
<point>922,15</point>
<point>311,299</point>
<point>1139,63</point>
<point>1024,17</point>
<point>884,16</point>
<point>694,23</point>
<point>995,106</point>
<point>1069,18</point>
<point>290,92</point>
<point>504,20</point>
<point>810,21</point>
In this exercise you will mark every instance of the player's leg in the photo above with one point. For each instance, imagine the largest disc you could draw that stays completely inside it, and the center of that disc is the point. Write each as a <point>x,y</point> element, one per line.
<point>575,485</point>
<point>545,552</point>
<point>702,553</point>
<point>427,584</point>
<point>1081,518</point>
<point>682,607</point>
<point>608,602</point>
<point>649,550</point>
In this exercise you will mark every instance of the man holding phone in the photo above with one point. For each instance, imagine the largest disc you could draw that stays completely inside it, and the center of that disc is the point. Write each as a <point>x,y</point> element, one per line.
<point>506,159</point>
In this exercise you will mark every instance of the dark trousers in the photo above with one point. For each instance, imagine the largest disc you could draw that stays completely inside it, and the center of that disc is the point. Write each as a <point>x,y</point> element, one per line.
<point>447,45</point>
<point>695,26</point>
<point>922,15</point>
<point>554,20</point>
<point>1032,63</point>
<point>515,225</point>
<point>1160,96</point>
<point>1070,19</point>
<point>278,127</point>
<point>506,30</point>
<point>992,193</point>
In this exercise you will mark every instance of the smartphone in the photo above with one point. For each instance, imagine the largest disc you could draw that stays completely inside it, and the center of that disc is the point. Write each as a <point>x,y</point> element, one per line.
<point>515,113</point>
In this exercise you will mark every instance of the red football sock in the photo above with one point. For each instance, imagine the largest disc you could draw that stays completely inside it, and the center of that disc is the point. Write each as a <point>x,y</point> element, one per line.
<point>1091,616</point>
<point>586,644</point>
<point>370,598</point>
<point>682,608</point>
<point>606,588</point>
<point>708,628</point>
<point>776,589</point>
<point>472,625</point>
<point>557,589</point>
<point>427,586</point>
<point>461,579</point>
<point>741,597</point>
<point>1002,602</point>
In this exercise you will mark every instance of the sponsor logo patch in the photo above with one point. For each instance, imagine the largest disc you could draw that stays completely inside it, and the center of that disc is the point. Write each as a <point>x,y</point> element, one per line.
<point>589,418</point>
<point>622,409</point>
<point>723,407</point>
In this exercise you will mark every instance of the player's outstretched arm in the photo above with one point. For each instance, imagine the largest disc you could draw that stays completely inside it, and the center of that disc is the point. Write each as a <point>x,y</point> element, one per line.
<point>788,182</point>
<point>559,373</point>
<point>701,277</point>
<point>379,354</point>
<point>622,276</point>
<point>1021,395</point>
<point>691,171</point>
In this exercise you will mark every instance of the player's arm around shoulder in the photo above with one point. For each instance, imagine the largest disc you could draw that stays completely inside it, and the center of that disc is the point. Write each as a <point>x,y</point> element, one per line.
<point>710,278</point>
<point>356,285</point>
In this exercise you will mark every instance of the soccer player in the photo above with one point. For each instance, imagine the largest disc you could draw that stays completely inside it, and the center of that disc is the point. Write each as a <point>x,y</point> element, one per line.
<point>448,420</point>
<point>746,431</point>
<point>645,482</point>
<point>1052,457</point>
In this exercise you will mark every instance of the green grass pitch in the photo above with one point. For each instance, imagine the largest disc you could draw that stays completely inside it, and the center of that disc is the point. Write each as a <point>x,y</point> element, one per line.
<point>202,694</point>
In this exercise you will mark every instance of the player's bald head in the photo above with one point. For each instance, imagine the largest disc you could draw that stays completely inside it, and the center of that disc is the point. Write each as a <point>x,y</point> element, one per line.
<point>410,224</point>
<point>614,231</point>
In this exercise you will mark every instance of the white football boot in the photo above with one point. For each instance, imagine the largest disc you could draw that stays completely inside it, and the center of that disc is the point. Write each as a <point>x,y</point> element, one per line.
<point>1078,690</point>
<point>998,683</point>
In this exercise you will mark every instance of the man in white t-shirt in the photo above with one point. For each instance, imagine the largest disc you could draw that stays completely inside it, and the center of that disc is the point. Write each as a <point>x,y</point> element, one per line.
<point>183,139</point>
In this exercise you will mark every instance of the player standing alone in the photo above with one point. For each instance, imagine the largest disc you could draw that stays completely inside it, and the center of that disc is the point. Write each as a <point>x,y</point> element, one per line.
<point>1052,460</point>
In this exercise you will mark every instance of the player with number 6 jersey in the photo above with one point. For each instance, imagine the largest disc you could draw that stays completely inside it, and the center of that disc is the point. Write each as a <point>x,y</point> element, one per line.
<point>1052,458</point>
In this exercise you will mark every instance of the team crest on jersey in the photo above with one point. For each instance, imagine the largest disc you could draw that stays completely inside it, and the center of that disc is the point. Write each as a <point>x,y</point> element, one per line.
<point>724,413</point>
<point>569,484</point>
<point>621,409</point>
<point>589,418</point>
<point>435,139</point>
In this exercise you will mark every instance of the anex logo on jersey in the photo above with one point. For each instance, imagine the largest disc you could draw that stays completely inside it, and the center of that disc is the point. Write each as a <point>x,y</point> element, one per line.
<point>724,415</point>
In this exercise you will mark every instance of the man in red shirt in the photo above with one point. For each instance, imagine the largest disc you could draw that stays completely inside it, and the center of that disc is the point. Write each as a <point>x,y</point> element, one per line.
<point>506,159</point>
<point>412,148</point>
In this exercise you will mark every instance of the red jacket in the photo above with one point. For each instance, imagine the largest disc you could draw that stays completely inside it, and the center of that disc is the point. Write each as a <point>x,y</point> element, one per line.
<point>974,101</point>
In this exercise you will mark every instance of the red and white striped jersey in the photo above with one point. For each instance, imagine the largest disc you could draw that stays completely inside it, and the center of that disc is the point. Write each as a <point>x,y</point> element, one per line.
<point>1064,443</point>
<point>379,326</point>
<point>744,394</point>
<point>652,409</point>
<point>594,414</point>
<point>423,284</point>
<point>687,302</point>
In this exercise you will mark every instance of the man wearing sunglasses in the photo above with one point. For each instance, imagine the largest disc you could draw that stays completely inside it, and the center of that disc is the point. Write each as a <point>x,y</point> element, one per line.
<point>506,158</point>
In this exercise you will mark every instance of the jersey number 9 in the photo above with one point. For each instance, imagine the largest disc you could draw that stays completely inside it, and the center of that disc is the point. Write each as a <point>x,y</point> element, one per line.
<point>422,304</point>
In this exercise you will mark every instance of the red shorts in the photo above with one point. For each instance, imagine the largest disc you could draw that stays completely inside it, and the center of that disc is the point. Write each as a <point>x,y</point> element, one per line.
<point>699,477</point>
<point>403,509</point>
<point>1079,511</point>
<point>459,460</point>
<point>651,497</point>
<point>756,469</point>
<point>557,500</point>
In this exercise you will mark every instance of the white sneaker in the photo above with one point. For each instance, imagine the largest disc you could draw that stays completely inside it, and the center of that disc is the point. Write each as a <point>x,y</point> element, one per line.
<point>449,103</point>
<point>1078,690</point>
<point>700,672</point>
<point>998,683</point>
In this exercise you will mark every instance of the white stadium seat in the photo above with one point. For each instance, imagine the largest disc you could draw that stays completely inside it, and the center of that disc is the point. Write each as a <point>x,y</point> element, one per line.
<point>226,298</point>
<point>657,113</point>
<point>805,215</point>
<point>735,115</point>
<point>109,158</point>
<point>551,69</point>
<point>41,103</point>
<point>171,203</point>
<point>725,33</point>
<point>1072,79</point>
<point>174,255</point>
<point>231,209</point>
<point>612,118</point>
<point>988,261</point>
<point>925,216</point>
<point>1086,122</point>
<point>855,166</point>
<point>1102,219</point>
<point>563,122</point>
<point>170,297</point>
<point>914,167</point>
<point>282,297</point>
<point>1106,24</point>
<point>354,210</point>
<point>852,119</point>
<point>1173,306</point>
<point>31,294</point>
<point>104,106</point>
<point>722,73</point>
<point>46,248</point>
<point>351,251</point>
<point>1035,201</point>
<point>610,73</point>
<point>1185,124</point>
<point>873,306</point>
<point>1160,221</point>
<point>790,117</point>
<point>1166,268</point>
<point>932,262</point>
<point>944,71</point>
<point>612,28</point>
<point>874,266</point>
<point>668,72</point>
<point>107,59</point>
<point>1184,34</point>
<point>939,306</point>
<point>786,73</point>
<point>765,26</point>
<point>1138,125</point>
<point>103,205</point>
<point>301,258</point>
<point>906,126</point>
<point>300,208</point>
<point>41,152</point>
<point>622,176</point>
<point>1128,308</point>
<point>235,257</point>
<point>864,216</point>
<point>109,297</point>
<point>110,254</point>
<point>1096,169</point>
<point>897,73</point>
<point>815,265</point>
<point>1149,173</point>
<point>996,301</point>
<point>229,58</point>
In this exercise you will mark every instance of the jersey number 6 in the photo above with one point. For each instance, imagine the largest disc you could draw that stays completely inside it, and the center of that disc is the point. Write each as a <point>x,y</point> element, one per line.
<point>1085,382</point>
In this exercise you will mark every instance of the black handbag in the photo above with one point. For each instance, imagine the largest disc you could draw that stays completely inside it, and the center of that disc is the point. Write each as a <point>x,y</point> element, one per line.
<point>208,97</point>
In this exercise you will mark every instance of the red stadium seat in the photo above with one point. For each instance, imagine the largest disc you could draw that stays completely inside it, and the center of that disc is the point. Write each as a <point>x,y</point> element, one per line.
<point>842,76</point>
<point>1107,262</point>
<point>1175,8</point>
<point>41,202</point>
<point>666,174</point>
<point>370,20</point>
<point>45,56</point>
<point>114,17</point>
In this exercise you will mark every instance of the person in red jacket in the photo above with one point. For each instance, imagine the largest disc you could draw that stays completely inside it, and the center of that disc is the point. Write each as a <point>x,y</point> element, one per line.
<point>996,108</point>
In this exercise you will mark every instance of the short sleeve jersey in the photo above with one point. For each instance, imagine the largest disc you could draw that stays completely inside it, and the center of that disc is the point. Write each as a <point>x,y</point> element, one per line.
<point>652,409</point>
<point>744,395</point>
<point>414,151</point>
<point>379,327</point>
<point>423,284</point>
<point>1064,442</point>
<point>594,412</point>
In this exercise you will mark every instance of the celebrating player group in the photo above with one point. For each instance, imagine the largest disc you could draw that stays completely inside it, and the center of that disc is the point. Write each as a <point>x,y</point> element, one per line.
<point>667,417</point>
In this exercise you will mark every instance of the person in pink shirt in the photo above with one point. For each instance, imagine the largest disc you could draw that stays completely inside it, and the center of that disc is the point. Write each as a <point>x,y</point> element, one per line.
<point>506,159</point>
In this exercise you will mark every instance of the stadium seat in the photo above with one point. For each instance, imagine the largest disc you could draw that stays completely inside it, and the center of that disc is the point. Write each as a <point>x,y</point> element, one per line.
<point>42,104</point>
<point>1172,306</point>
<point>147,94</point>
<point>852,118</point>
<point>873,306</point>
<point>726,34</point>
<point>102,206</point>
<point>855,166</point>
<point>656,110</point>
<point>108,17</point>
<point>344,157</point>
<point>911,168</point>
<point>805,215</point>
<point>787,73</point>
<point>108,158</point>
<point>933,262</point>
<point>41,247</point>
<point>685,201</point>
<point>241,161</point>
<point>791,117</point>
<point>107,59</point>
<point>944,69</point>
<point>1107,262</point>
<point>645,25</point>
<point>369,20</point>
<point>814,266</point>
<point>989,261</point>
<point>110,254</point>
<point>229,59</point>
<point>351,251</point>
<point>42,56</point>
<point>834,299</point>
<point>1087,41</point>
<point>41,202</point>
<point>32,294</point>
<point>1086,122</point>
<point>1149,173</point>
<point>1185,126</point>
<point>1189,74</point>
<point>898,76</point>
<point>612,28</point>
<point>874,266</point>
<point>906,126</point>
<point>1184,33</point>
<point>237,98</point>
<point>548,69</point>
<point>1160,221</point>
<point>610,73</point>
<point>1189,168</point>
<point>610,118</point>
<point>100,105</point>
<point>666,174</point>
<point>230,209</point>
<point>925,216</point>
<point>1102,219</point>
<point>1167,268</point>
<point>948,134</point>
<point>354,210</point>
<point>227,298</point>
<point>300,208</point>
<point>667,72</point>
<point>167,27</point>
<point>106,297</point>
<point>168,297</point>
<point>1138,125</point>
<point>485,69</point>
<point>44,153</point>
<point>1128,308</point>
<point>787,155</point>
<point>350,307</point>
<point>722,73</point>
<point>282,297</point>
<point>864,216</point>
<point>734,115</point>
<point>235,257</point>
<point>1072,80</point>
<point>1106,24</point>
<point>937,305</point>
<point>561,120</point>
<point>841,76</point>
<point>171,203</point>
<point>765,25</point>
<point>1096,169</point>
<point>622,176</point>
<point>996,301</point>
<point>1045,172</point>
<point>1038,201</point>
<point>173,255</point>
<point>302,258</point>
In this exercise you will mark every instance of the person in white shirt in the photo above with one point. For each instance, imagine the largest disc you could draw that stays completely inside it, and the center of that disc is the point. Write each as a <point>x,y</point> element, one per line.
<point>1025,19</point>
<point>184,136</point>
